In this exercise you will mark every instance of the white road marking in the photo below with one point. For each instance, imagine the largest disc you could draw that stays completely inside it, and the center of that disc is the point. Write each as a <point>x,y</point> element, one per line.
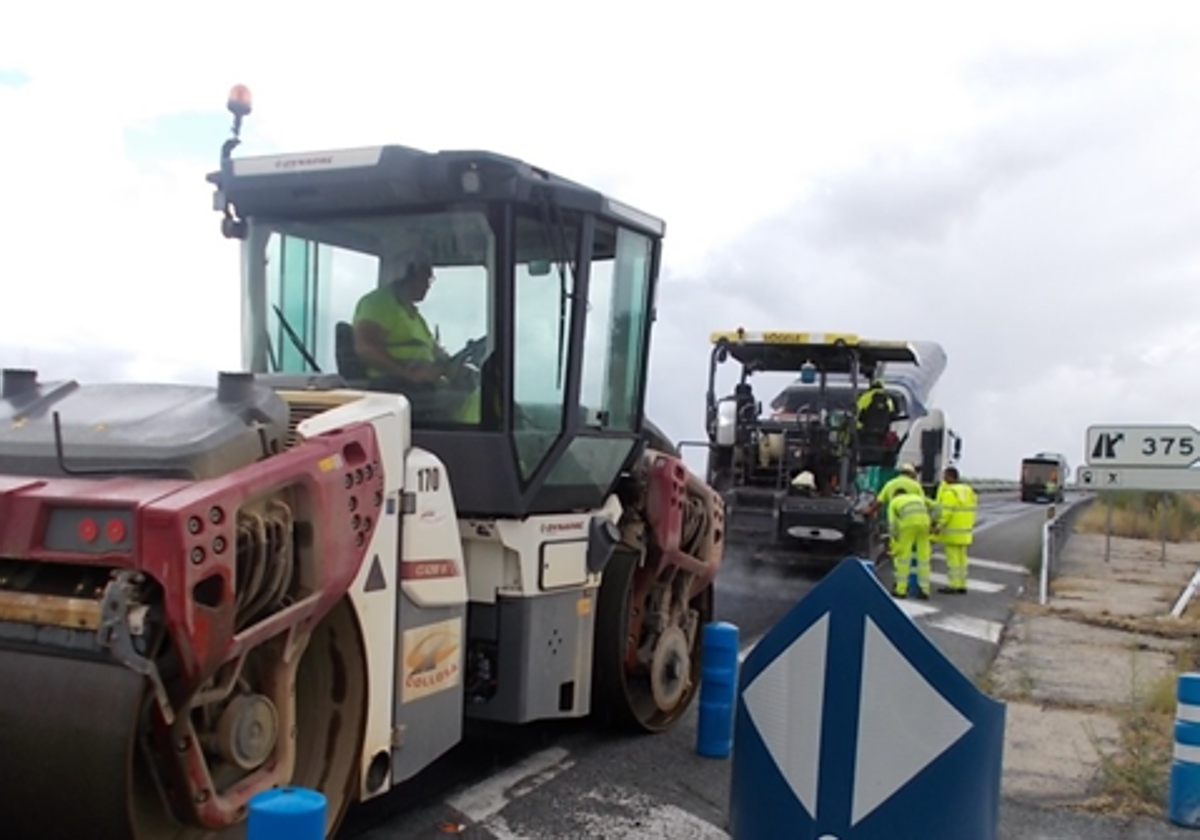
<point>620,816</point>
<point>995,564</point>
<point>983,563</point>
<point>643,817</point>
<point>492,795</point>
<point>972,585</point>
<point>915,609</point>
<point>966,625</point>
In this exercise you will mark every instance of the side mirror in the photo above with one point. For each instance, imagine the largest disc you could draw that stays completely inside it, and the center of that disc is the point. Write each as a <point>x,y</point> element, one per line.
<point>957,448</point>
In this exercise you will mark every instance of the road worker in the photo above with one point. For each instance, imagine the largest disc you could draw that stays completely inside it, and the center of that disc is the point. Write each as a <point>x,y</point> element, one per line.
<point>956,504</point>
<point>909,523</point>
<point>907,478</point>
<point>875,410</point>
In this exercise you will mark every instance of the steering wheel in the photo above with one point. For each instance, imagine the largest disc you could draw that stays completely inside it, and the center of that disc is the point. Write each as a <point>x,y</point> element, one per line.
<point>465,365</point>
<point>472,353</point>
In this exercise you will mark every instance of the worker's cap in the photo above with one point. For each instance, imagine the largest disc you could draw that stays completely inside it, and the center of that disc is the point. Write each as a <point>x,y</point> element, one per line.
<point>411,264</point>
<point>908,469</point>
<point>805,479</point>
<point>876,382</point>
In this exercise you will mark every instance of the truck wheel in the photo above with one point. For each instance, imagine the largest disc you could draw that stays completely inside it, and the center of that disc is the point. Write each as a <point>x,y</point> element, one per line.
<point>643,679</point>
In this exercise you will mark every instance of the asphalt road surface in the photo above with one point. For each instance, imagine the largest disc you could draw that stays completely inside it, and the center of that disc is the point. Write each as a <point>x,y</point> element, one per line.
<point>576,780</point>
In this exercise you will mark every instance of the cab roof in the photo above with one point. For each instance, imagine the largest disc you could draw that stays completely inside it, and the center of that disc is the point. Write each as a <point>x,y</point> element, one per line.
<point>786,351</point>
<point>316,183</point>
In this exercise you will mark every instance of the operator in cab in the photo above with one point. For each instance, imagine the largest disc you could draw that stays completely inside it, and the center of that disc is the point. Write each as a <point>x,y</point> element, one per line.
<point>395,344</point>
<point>876,409</point>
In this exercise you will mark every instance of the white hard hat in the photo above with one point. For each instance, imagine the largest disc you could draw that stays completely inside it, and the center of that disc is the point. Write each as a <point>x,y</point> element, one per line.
<point>908,469</point>
<point>805,479</point>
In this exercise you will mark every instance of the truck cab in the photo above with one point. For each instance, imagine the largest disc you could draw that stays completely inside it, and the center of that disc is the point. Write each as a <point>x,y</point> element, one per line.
<point>1044,477</point>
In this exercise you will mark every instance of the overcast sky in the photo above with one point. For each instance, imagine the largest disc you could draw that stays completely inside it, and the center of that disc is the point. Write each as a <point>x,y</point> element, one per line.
<point>1021,184</point>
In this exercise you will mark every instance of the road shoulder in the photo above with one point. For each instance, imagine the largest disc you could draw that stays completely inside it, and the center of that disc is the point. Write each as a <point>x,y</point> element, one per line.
<point>1083,674</point>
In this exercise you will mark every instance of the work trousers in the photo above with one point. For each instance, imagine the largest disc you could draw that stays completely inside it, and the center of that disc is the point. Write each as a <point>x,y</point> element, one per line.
<point>909,538</point>
<point>956,565</point>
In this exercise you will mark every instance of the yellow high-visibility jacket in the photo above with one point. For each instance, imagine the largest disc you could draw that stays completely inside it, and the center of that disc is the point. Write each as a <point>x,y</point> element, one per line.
<point>956,505</point>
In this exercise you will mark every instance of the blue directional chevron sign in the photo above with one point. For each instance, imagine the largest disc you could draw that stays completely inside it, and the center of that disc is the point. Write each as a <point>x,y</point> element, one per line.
<point>852,725</point>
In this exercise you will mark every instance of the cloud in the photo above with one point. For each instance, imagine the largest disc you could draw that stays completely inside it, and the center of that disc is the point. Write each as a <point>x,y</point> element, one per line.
<point>1051,251</point>
<point>11,77</point>
<point>59,362</point>
<point>1016,183</point>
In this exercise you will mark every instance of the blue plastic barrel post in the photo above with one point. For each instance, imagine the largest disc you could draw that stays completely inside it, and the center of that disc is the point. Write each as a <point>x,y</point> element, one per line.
<point>1183,802</point>
<point>287,813</point>
<point>718,689</point>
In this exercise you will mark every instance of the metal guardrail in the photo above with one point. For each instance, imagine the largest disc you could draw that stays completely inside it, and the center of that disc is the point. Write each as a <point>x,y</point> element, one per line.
<point>999,485</point>
<point>1060,522</point>
<point>992,485</point>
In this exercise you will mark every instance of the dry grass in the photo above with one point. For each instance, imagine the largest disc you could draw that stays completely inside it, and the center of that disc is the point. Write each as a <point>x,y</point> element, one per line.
<point>1136,779</point>
<point>1141,515</point>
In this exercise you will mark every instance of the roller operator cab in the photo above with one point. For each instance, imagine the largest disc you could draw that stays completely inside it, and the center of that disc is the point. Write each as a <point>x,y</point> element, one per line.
<point>803,475</point>
<point>312,572</point>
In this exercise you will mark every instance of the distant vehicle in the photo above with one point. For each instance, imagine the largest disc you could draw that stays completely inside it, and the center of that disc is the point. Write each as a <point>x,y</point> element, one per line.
<point>1043,477</point>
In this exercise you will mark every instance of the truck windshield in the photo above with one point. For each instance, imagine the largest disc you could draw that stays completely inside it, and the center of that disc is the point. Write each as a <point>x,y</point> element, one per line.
<point>1039,471</point>
<point>803,399</point>
<point>310,285</point>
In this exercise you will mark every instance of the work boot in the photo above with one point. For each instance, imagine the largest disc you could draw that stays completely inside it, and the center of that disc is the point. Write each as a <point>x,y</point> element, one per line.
<point>953,590</point>
<point>897,592</point>
<point>922,594</point>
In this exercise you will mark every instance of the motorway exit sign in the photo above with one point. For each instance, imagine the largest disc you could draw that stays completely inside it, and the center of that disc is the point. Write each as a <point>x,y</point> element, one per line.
<point>1143,446</point>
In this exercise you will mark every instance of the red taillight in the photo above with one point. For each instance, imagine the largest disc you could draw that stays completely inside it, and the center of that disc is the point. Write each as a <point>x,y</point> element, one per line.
<point>115,530</point>
<point>95,529</point>
<point>88,529</point>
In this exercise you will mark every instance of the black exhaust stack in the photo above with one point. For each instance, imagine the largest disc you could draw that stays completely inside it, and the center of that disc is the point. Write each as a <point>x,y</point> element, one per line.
<point>16,382</point>
<point>233,388</point>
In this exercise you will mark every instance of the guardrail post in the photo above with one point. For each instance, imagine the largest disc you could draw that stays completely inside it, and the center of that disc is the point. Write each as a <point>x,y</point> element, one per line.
<point>1107,528</point>
<point>1183,803</point>
<point>288,813</point>
<point>1162,528</point>
<point>1047,554</point>
<point>718,689</point>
